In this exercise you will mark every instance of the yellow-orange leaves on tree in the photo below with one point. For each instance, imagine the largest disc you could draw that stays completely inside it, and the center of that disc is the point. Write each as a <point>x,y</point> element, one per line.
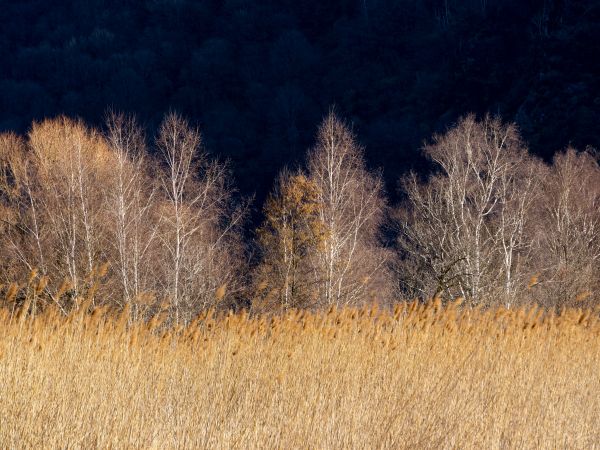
<point>291,233</point>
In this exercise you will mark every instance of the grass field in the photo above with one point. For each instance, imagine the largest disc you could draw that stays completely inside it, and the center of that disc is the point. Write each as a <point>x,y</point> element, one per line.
<point>421,376</point>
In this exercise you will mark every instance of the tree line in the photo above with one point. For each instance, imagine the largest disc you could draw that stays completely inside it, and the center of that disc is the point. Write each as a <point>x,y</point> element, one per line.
<point>158,225</point>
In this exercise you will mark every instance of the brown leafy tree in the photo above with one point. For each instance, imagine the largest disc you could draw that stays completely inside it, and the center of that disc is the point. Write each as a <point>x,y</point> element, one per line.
<point>291,235</point>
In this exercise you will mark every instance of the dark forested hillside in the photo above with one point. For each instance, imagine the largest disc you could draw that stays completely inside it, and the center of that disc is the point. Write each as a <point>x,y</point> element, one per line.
<point>258,75</point>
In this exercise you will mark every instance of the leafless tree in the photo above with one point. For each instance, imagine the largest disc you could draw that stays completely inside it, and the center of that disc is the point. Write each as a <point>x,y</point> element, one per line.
<point>352,265</point>
<point>199,225</point>
<point>131,210</point>
<point>463,232</point>
<point>18,210</point>
<point>568,216</point>
<point>72,200</point>
<point>72,162</point>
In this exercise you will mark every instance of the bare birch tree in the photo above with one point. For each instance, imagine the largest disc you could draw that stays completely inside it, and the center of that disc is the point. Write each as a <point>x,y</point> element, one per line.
<point>352,265</point>
<point>131,210</point>
<point>568,220</point>
<point>463,232</point>
<point>200,227</point>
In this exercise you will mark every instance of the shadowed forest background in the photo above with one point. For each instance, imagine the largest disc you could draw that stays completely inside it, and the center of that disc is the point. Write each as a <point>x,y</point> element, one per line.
<point>258,75</point>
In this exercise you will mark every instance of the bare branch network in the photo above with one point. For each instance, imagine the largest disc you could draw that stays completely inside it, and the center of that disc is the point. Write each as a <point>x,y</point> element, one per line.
<point>92,211</point>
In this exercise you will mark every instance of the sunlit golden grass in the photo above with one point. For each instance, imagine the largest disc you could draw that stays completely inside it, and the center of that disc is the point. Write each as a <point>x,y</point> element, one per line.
<point>418,376</point>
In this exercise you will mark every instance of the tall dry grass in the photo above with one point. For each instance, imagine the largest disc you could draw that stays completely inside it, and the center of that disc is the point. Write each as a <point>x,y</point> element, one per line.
<point>421,376</point>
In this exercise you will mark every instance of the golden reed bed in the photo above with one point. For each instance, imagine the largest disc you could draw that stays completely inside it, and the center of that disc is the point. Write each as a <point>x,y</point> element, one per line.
<point>420,376</point>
